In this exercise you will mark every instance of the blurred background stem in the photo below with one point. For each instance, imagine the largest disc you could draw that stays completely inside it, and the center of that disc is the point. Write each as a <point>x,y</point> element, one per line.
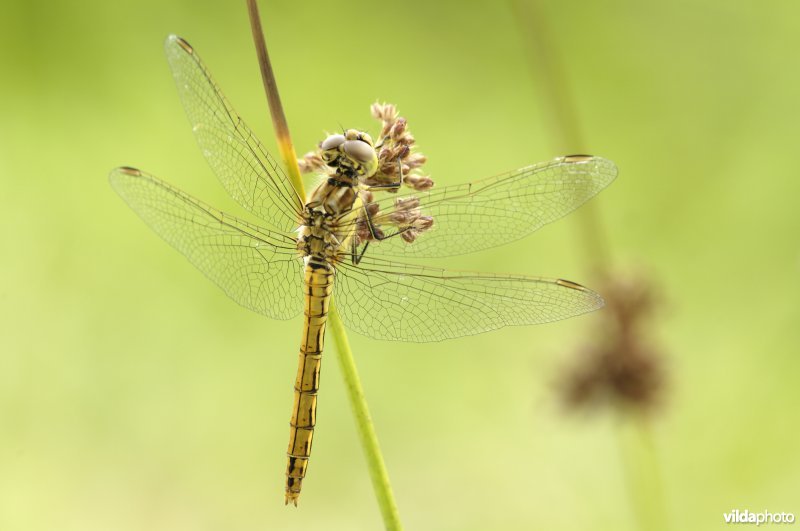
<point>637,447</point>
<point>562,120</point>
<point>642,470</point>
<point>355,393</point>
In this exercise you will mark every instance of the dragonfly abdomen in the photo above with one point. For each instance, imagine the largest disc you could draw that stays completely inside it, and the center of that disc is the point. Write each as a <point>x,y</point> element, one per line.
<point>319,285</point>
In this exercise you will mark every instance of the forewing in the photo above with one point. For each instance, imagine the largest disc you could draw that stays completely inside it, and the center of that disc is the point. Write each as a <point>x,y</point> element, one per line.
<point>248,172</point>
<point>257,268</point>
<point>475,216</point>
<point>403,302</point>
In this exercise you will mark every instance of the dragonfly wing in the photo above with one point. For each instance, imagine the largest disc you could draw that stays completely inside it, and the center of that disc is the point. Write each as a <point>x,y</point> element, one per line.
<point>483,214</point>
<point>404,302</point>
<point>249,173</point>
<point>257,268</point>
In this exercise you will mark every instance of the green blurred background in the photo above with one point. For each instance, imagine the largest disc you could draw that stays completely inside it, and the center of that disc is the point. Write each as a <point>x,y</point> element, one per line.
<point>134,395</point>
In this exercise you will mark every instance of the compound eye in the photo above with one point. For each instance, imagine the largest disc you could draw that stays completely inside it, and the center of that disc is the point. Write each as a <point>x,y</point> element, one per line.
<point>332,142</point>
<point>360,151</point>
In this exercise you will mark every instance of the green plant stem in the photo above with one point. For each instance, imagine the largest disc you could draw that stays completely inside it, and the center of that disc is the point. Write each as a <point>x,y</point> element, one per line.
<point>642,471</point>
<point>366,430</point>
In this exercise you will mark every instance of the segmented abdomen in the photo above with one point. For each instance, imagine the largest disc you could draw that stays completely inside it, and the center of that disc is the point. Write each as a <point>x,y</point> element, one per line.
<point>319,286</point>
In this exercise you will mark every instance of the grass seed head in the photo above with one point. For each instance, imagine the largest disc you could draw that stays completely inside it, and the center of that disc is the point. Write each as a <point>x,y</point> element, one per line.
<point>399,163</point>
<point>623,365</point>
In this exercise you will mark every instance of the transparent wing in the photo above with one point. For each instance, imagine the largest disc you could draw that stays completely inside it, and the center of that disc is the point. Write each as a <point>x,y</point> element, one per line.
<point>403,302</point>
<point>257,268</point>
<point>250,174</point>
<point>483,214</point>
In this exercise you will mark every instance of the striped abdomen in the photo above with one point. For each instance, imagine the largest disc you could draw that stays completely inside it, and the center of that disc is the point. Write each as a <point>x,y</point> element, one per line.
<point>319,285</point>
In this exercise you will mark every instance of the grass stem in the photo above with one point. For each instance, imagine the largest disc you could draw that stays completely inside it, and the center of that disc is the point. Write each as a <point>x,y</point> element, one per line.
<point>642,471</point>
<point>366,430</point>
<point>279,122</point>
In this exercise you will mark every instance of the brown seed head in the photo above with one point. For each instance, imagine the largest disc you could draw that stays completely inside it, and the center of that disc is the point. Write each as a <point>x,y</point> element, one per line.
<point>623,365</point>
<point>311,162</point>
<point>399,165</point>
<point>409,236</point>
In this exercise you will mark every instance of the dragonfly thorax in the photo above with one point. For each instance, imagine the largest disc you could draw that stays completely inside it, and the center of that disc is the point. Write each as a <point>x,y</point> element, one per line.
<point>334,196</point>
<point>322,236</point>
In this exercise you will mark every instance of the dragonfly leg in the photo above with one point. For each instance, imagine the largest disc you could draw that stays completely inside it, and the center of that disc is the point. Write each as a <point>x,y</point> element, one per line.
<point>356,256</point>
<point>391,186</point>
<point>377,234</point>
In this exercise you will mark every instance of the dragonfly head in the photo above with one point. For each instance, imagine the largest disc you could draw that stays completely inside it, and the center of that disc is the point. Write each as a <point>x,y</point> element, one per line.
<point>352,153</point>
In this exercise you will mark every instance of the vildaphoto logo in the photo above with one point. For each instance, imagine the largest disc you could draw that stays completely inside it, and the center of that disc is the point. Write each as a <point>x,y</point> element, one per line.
<point>764,517</point>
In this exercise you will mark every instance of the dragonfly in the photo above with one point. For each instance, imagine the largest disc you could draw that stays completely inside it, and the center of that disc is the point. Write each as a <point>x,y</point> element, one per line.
<point>304,252</point>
